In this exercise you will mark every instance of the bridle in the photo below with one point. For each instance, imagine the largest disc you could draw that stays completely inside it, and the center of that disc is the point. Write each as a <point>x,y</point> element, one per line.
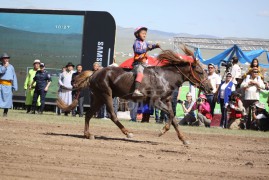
<point>200,81</point>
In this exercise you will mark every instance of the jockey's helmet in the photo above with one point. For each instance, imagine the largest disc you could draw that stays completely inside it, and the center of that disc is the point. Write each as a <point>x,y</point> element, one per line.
<point>138,29</point>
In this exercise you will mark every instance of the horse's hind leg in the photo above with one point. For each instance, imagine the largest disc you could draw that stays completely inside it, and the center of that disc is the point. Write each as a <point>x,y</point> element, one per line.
<point>95,106</point>
<point>110,109</point>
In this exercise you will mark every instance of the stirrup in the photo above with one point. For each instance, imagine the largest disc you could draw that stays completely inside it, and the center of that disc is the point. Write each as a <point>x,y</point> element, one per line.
<point>137,93</point>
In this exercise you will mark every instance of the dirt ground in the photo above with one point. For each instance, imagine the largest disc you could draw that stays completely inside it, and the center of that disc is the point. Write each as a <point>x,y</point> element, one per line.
<point>40,150</point>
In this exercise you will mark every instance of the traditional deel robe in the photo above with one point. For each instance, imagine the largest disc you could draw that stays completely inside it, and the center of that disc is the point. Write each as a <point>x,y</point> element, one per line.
<point>30,92</point>
<point>65,91</point>
<point>140,49</point>
<point>8,84</point>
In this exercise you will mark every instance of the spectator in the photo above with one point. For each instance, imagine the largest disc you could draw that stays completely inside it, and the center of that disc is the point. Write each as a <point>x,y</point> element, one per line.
<point>225,91</point>
<point>60,89</point>
<point>96,66</point>
<point>266,85</point>
<point>260,117</point>
<point>146,111</point>
<point>102,112</point>
<point>28,81</point>
<point>133,106</point>
<point>254,64</point>
<point>236,70</point>
<point>115,99</point>
<point>65,84</point>
<point>203,117</point>
<point>175,98</point>
<point>76,93</point>
<point>189,115</point>
<point>162,118</point>
<point>236,109</point>
<point>215,81</point>
<point>8,83</point>
<point>240,89</point>
<point>252,85</point>
<point>42,82</point>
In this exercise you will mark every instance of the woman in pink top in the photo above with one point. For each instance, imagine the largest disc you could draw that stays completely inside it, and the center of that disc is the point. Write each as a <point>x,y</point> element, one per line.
<point>203,117</point>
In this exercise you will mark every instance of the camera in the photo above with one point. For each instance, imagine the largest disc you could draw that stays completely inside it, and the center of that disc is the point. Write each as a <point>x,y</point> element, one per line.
<point>253,107</point>
<point>179,101</point>
<point>199,100</point>
<point>227,64</point>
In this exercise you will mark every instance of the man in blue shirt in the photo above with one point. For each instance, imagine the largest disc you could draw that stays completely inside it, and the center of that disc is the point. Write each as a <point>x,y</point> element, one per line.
<point>8,83</point>
<point>43,80</point>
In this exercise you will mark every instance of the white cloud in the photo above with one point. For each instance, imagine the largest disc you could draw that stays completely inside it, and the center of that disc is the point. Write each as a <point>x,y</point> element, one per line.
<point>264,13</point>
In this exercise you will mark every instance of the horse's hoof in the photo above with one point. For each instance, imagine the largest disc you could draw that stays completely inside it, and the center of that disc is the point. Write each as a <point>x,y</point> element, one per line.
<point>161,133</point>
<point>186,143</point>
<point>87,136</point>
<point>130,135</point>
<point>92,137</point>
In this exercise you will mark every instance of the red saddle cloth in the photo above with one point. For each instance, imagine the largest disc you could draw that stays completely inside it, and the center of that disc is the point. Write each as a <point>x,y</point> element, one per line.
<point>152,61</point>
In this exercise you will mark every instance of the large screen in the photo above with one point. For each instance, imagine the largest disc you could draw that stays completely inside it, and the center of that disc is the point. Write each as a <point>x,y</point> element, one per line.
<point>55,38</point>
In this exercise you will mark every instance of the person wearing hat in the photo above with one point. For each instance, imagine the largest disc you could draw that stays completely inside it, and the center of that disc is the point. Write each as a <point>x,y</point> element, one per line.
<point>42,82</point>
<point>254,64</point>
<point>141,47</point>
<point>236,109</point>
<point>8,83</point>
<point>204,116</point>
<point>236,70</point>
<point>215,81</point>
<point>252,85</point>
<point>66,87</point>
<point>225,90</point>
<point>260,117</point>
<point>28,81</point>
<point>189,115</point>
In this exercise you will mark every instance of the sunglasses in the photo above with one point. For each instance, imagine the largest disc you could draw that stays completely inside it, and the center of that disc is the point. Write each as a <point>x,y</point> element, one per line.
<point>228,76</point>
<point>255,71</point>
<point>210,67</point>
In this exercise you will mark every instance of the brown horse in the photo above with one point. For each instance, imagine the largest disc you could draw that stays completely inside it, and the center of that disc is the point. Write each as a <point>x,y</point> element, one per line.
<point>157,86</point>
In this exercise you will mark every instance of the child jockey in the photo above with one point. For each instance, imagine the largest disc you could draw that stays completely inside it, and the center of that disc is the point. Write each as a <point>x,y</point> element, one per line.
<point>141,47</point>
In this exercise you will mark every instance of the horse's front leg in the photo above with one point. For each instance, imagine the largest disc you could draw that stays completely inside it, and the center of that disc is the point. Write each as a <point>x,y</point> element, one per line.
<point>168,109</point>
<point>179,134</point>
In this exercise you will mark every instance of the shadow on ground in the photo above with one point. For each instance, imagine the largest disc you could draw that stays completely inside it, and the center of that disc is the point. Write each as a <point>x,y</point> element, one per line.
<point>104,138</point>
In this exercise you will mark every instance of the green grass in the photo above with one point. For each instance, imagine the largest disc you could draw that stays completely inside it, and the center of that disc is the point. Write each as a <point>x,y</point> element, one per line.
<point>52,118</point>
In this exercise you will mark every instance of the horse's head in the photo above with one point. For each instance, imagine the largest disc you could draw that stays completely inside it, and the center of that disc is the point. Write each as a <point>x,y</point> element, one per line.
<point>199,77</point>
<point>195,73</point>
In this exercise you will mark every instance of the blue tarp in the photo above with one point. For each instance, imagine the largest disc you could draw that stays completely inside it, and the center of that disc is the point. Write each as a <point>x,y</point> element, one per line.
<point>244,57</point>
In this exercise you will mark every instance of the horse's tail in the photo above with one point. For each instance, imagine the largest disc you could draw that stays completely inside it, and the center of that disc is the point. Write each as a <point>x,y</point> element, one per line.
<point>80,82</point>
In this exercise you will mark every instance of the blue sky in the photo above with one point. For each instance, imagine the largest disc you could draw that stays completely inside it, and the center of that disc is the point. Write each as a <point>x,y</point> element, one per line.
<point>222,18</point>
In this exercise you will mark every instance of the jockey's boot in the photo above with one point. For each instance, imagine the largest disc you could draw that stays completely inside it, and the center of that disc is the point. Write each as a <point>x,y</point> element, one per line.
<point>138,81</point>
<point>137,93</point>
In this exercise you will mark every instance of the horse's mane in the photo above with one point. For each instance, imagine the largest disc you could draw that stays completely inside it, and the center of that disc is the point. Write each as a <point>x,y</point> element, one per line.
<point>173,58</point>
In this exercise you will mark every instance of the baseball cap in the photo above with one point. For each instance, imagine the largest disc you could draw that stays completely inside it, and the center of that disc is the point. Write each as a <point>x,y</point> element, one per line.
<point>37,61</point>
<point>211,64</point>
<point>42,64</point>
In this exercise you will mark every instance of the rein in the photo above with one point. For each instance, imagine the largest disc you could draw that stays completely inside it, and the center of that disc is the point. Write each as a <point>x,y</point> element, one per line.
<point>191,69</point>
